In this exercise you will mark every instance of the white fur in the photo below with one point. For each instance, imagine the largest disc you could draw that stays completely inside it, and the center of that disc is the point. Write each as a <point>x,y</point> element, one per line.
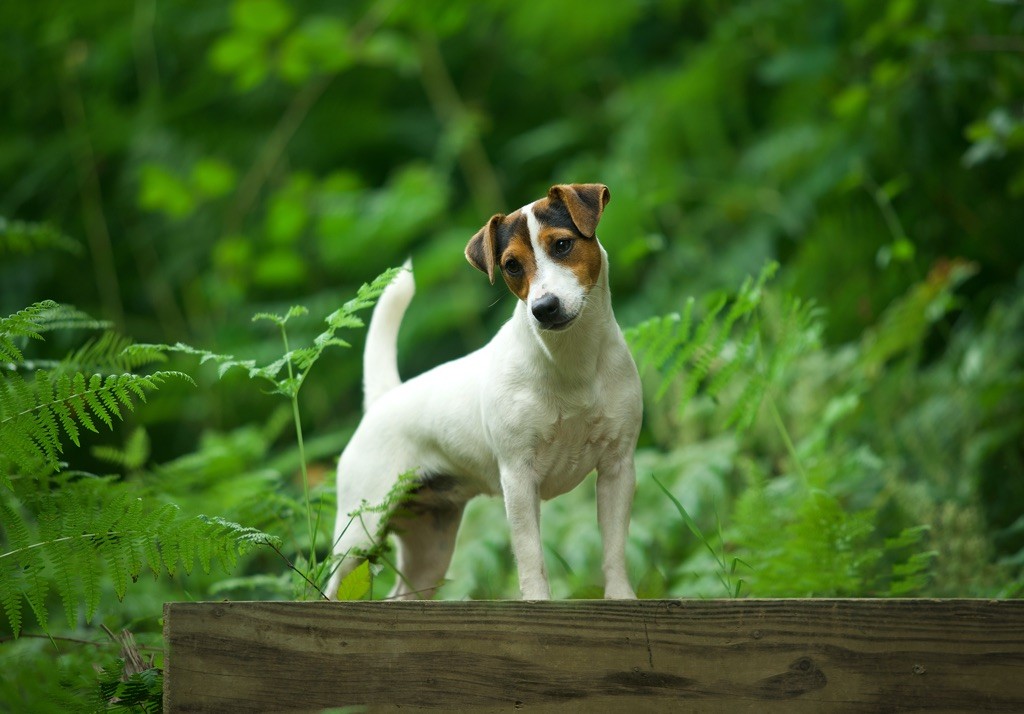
<point>551,276</point>
<point>527,416</point>
<point>382,337</point>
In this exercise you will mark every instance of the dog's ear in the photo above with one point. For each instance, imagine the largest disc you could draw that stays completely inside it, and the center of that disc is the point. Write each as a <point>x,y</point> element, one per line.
<point>482,246</point>
<point>585,201</point>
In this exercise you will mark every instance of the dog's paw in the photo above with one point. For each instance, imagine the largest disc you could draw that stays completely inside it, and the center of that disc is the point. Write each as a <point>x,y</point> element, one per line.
<point>537,591</point>
<point>619,591</point>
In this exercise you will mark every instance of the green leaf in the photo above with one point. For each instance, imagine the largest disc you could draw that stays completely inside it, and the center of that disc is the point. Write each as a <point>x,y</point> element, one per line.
<point>264,18</point>
<point>213,178</point>
<point>356,584</point>
<point>319,46</point>
<point>286,218</point>
<point>163,192</point>
<point>279,268</point>
<point>242,55</point>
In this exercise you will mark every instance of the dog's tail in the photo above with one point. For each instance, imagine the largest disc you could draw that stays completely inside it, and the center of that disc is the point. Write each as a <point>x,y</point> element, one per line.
<point>380,358</point>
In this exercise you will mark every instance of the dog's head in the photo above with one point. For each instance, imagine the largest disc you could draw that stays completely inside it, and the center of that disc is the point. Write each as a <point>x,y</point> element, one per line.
<point>547,251</point>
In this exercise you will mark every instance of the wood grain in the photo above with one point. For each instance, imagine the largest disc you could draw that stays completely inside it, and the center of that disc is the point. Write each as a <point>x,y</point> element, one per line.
<point>595,656</point>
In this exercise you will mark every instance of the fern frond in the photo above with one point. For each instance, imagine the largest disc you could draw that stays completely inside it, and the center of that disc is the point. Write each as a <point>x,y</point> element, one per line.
<point>106,354</point>
<point>73,534</point>
<point>699,352</point>
<point>30,413</point>
<point>302,358</point>
<point>22,237</point>
<point>728,350</point>
<point>132,456</point>
<point>131,690</point>
<point>25,323</point>
<point>224,362</point>
<point>66,317</point>
<point>281,320</point>
<point>345,317</point>
<point>366,296</point>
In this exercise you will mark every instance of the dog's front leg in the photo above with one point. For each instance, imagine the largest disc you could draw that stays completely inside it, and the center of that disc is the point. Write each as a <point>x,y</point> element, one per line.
<point>616,481</point>
<point>522,506</point>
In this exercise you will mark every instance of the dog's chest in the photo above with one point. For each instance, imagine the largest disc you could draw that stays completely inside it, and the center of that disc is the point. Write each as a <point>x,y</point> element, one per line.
<point>565,435</point>
<point>569,450</point>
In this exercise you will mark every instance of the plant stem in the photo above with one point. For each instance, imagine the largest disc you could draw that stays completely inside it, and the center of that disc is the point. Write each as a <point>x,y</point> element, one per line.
<point>301,574</point>
<point>787,439</point>
<point>63,539</point>
<point>302,449</point>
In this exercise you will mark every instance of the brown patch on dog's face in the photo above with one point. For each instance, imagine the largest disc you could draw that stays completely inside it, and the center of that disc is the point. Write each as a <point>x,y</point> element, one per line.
<point>562,239</point>
<point>517,261</point>
<point>579,254</point>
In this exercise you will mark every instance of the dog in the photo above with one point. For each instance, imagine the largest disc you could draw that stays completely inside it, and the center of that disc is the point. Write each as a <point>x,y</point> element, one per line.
<point>553,396</point>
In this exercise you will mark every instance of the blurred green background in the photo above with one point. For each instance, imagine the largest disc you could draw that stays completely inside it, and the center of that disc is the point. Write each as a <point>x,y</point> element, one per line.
<point>175,167</point>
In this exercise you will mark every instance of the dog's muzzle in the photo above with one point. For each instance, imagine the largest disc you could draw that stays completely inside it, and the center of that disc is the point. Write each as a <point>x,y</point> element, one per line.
<point>547,310</point>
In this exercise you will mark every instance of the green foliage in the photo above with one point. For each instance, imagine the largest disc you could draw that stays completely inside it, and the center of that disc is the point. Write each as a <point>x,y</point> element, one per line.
<point>356,584</point>
<point>139,691</point>
<point>91,531</point>
<point>235,159</point>
<point>69,532</point>
<point>727,570</point>
<point>21,237</point>
<point>666,344</point>
<point>164,192</point>
<point>33,414</point>
<point>296,364</point>
<point>301,359</point>
<point>809,544</point>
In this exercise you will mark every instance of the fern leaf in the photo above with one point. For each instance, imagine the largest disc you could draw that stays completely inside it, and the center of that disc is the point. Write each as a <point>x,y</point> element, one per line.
<point>24,323</point>
<point>63,554</point>
<point>303,358</point>
<point>91,397</point>
<point>700,347</point>
<point>36,589</point>
<point>225,363</point>
<point>11,595</point>
<point>159,556</point>
<point>661,339</point>
<point>66,317</point>
<point>746,301</point>
<point>281,320</point>
<point>107,354</point>
<point>22,237</point>
<point>726,350</point>
<point>93,527</point>
<point>30,415</point>
<point>742,352</point>
<point>132,457</point>
<point>681,337</point>
<point>12,572</point>
<point>365,297</point>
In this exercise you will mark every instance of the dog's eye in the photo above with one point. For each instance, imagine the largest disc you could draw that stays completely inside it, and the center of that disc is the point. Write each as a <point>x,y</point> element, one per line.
<point>513,267</point>
<point>561,247</point>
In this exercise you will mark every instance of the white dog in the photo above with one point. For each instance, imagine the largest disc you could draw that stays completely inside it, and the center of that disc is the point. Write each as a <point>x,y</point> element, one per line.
<point>553,396</point>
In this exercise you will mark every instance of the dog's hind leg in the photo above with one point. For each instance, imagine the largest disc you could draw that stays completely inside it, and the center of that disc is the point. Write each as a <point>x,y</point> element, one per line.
<point>426,541</point>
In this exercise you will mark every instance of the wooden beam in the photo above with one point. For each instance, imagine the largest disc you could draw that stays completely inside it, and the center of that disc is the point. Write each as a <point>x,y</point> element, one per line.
<point>595,656</point>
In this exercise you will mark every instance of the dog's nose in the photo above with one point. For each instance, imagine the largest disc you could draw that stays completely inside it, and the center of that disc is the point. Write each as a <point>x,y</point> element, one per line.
<point>546,308</point>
